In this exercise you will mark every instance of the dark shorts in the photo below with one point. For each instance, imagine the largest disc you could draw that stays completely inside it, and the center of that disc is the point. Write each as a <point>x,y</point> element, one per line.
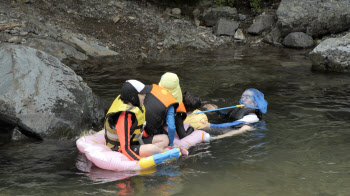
<point>136,147</point>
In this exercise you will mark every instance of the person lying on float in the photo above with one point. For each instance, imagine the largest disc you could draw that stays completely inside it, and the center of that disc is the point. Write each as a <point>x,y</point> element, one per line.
<point>198,119</point>
<point>253,105</point>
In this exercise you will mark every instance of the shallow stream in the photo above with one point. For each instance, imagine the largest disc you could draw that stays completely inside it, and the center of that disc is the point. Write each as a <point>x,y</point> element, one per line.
<point>301,148</point>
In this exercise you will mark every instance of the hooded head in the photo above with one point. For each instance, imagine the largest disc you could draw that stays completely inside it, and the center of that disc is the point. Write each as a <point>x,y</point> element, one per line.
<point>170,82</point>
<point>130,91</point>
<point>253,98</point>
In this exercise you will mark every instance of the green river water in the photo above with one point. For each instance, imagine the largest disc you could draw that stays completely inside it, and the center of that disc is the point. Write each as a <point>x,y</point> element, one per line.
<point>301,148</point>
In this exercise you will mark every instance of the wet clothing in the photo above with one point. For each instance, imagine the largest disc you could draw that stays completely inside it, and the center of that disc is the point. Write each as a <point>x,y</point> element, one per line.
<point>123,128</point>
<point>180,117</point>
<point>238,116</point>
<point>164,110</point>
<point>161,106</point>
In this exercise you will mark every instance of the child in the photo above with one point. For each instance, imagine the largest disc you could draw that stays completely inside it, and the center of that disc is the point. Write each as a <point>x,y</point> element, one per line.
<point>192,104</point>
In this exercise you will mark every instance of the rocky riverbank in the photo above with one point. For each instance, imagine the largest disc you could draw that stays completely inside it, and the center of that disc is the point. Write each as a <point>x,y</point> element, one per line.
<point>82,30</point>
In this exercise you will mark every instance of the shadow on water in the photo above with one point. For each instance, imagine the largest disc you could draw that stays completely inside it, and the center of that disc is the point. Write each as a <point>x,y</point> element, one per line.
<point>302,149</point>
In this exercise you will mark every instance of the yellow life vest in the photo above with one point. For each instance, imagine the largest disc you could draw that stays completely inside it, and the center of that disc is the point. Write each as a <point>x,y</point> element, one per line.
<point>118,106</point>
<point>196,120</point>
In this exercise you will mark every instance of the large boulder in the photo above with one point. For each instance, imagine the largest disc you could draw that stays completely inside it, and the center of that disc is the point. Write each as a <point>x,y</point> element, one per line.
<point>332,54</point>
<point>225,27</point>
<point>42,96</point>
<point>298,40</point>
<point>261,23</point>
<point>212,15</point>
<point>314,17</point>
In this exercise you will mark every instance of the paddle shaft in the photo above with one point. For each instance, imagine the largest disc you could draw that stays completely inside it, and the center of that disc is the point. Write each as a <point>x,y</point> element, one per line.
<point>217,109</point>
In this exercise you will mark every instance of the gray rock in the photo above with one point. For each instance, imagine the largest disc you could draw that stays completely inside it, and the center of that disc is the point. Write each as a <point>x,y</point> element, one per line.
<point>196,13</point>
<point>274,37</point>
<point>23,33</point>
<point>197,22</point>
<point>90,49</point>
<point>332,55</point>
<point>117,18</point>
<point>174,40</point>
<point>314,17</point>
<point>176,11</point>
<point>39,28</point>
<point>298,40</point>
<point>242,17</point>
<point>14,31</point>
<point>239,35</point>
<point>15,40</point>
<point>261,23</point>
<point>225,27</point>
<point>60,50</point>
<point>44,97</point>
<point>214,14</point>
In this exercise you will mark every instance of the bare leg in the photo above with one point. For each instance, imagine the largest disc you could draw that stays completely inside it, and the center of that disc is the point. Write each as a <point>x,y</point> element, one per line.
<point>235,132</point>
<point>150,149</point>
<point>161,140</point>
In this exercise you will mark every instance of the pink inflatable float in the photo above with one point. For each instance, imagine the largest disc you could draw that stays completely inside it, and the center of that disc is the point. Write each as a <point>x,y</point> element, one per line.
<point>103,157</point>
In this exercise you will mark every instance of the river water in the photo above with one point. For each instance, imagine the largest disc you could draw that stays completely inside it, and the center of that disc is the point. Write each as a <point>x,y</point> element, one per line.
<point>301,148</point>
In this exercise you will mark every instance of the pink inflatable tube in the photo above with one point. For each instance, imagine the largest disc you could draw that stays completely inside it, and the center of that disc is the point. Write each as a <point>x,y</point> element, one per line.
<point>103,157</point>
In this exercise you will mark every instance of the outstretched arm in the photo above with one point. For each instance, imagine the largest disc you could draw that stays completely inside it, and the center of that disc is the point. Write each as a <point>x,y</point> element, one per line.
<point>235,132</point>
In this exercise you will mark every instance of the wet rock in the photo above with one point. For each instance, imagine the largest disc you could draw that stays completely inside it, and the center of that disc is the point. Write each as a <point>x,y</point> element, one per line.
<point>225,27</point>
<point>42,96</point>
<point>332,54</point>
<point>261,23</point>
<point>314,17</point>
<point>214,14</point>
<point>298,40</point>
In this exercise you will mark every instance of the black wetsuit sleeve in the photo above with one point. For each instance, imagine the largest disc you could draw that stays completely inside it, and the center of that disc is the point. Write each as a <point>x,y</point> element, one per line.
<point>180,130</point>
<point>223,114</point>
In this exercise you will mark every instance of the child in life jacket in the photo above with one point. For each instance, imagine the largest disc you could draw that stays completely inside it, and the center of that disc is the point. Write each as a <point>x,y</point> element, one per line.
<point>254,106</point>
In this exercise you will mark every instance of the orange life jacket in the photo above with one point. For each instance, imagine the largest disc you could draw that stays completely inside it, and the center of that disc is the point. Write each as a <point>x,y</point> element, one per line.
<point>157,103</point>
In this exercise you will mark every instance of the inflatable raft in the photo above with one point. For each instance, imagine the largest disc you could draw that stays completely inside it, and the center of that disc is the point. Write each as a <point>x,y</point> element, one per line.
<point>103,157</point>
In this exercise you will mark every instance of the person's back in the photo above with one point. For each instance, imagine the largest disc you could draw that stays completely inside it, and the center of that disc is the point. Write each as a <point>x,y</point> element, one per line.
<point>157,103</point>
<point>124,123</point>
<point>161,104</point>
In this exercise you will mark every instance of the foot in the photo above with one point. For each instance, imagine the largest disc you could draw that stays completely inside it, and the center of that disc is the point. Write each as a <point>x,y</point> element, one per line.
<point>183,151</point>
